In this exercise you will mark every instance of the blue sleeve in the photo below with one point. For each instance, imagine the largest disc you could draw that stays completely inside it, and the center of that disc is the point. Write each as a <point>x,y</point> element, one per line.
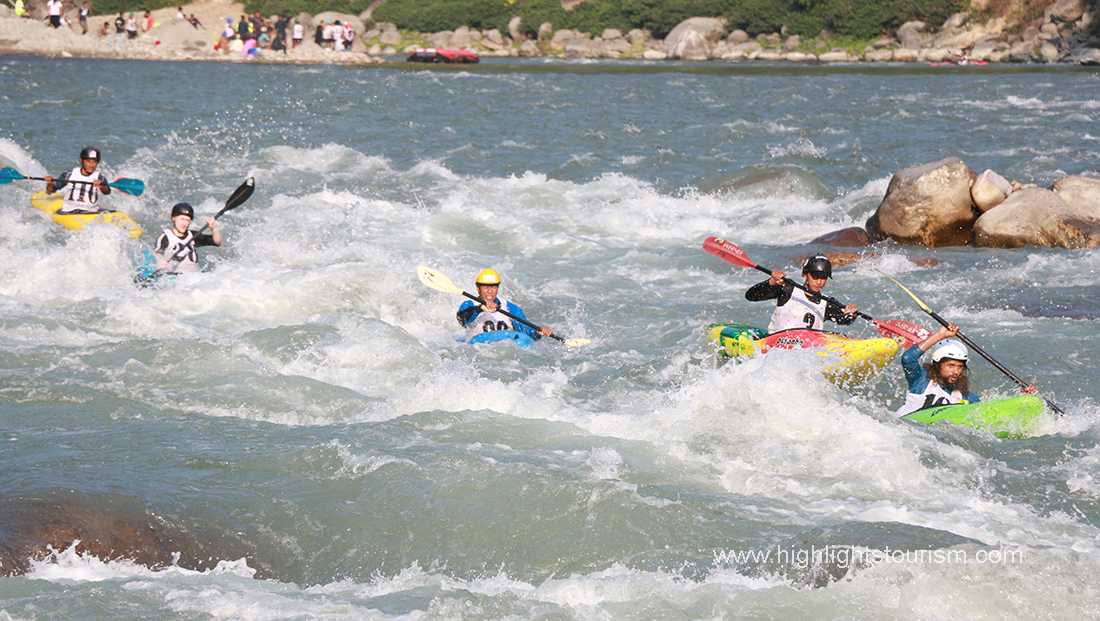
<point>521,327</point>
<point>914,372</point>
<point>466,312</point>
<point>61,181</point>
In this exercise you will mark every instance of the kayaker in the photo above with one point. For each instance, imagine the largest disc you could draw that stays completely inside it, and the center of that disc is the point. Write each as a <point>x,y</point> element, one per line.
<point>82,197</point>
<point>801,309</point>
<point>944,381</point>
<point>174,240</point>
<point>478,318</point>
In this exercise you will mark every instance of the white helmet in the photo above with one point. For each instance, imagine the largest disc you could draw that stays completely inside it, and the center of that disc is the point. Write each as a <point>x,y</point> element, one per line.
<point>950,350</point>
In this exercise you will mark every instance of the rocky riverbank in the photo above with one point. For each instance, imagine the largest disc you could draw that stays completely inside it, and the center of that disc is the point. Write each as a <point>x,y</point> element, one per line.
<point>1062,35</point>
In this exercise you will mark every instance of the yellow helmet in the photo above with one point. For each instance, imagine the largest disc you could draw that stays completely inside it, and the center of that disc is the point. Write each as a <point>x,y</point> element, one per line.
<point>488,277</point>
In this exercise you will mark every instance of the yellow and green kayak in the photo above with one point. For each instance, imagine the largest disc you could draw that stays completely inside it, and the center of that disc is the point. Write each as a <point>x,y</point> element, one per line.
<point>1015,417</point>
<point>50,203</point>
<point>848,361</point>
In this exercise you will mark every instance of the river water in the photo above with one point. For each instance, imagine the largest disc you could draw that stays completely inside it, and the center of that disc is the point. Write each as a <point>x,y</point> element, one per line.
<point>304,411</point>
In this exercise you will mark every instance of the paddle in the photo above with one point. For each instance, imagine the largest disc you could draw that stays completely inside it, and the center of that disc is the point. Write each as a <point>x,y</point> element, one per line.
<point>981,352</point>
<point>909,333</point>
<point>439,282</point>
<point>236,199</point>
<point>133,187</point>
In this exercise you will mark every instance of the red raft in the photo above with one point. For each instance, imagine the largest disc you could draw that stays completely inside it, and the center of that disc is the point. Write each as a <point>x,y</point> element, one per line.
<point>432,55</point>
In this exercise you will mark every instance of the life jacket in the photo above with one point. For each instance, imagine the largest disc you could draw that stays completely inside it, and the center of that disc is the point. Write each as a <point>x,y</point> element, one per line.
<point>80,197</point>
<point>934,395</point>
<point>168,245</point>
<point>490,322</point>
<point>799,312</point>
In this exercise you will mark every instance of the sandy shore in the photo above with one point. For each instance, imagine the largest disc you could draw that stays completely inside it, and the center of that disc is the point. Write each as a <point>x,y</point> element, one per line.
<point>171,39</point>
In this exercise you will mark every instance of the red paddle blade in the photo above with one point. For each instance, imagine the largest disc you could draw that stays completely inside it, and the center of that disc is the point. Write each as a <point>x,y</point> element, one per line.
<point>727,252</point>
<point>905,332</point>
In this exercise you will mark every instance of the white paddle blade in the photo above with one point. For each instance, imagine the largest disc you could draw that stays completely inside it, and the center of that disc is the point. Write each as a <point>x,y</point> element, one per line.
<point>576,342</point>
<point>436,281</point>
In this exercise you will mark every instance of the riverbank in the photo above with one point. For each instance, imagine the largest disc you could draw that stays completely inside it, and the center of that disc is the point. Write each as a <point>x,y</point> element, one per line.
<point>1063,36</point>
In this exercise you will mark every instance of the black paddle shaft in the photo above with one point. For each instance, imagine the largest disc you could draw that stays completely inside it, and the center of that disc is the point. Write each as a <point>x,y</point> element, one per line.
<point>500,310</point>
<point>1000,367</point>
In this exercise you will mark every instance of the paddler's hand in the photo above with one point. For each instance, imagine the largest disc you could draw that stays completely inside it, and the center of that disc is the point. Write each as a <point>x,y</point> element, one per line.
<point>1030,389</point>
<point>544,331</point>
<point>49,183</point>
<point>777,278</point>
<point>212,223</point>
<point>850,310</point>
<point>489,307</point>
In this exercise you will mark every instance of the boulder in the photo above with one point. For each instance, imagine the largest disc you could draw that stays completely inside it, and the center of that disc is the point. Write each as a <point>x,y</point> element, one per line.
<point>494,37</point>
<point>180,33</point>
<point>851,237</point>
<point>461,37</point>
<point>390,37</point>
<point>529,49</point>
<point>956,21</point>
<point>738,36</point>
<point>513,28</point>
<point>560,38</point>
<point>1065,11</point>
<point>637,36</point>
<point>879,55</point>
<point>441,39</point>
<point>691,39</point>
<point>610,34</point>
<point>792,43</point>
<point>613,48</point>
<point>1049,52</point>
<point>927,204</point>
<point>1038,217</point>
<point>1082,193</point>
<point>904,55</point>
<point>578,47</point>
<point>546,29</point>
<point>837,56</point>
<point>989,190</point>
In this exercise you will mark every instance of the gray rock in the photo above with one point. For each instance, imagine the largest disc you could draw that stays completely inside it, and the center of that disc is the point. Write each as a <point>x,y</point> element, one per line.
<point>989,190</point>
<point>578,47</point>
<point>561,38</point>
<point>513,28</point>
<point>879,56</point>
<point>927,204</point>
<point>792,43</point>
<point>1065,11</point>
<point>441,39</point>
<point>1049,52</point>
<point>738,36</point>
<point>373,33</point>
<point>494,36</point>
<point>529,49</point>
<point>611,33</point>
<point>764,181</point>
<point>691,39</point>
<point>637,37</point>
<point>390,37</point>
<point>1082,193</point>
<point>956,21</point>
<point>546,29</point>
<point>1037,217</point>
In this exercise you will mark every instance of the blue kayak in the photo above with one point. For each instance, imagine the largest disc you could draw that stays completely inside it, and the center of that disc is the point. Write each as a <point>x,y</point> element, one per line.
<point>518,338</point>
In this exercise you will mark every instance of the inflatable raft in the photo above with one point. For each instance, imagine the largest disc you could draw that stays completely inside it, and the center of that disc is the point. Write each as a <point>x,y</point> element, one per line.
<point>849,361</point>
<point>518,338</point>
<point>1015,417</point>
<point>433,55</point>
<point>50,203</point>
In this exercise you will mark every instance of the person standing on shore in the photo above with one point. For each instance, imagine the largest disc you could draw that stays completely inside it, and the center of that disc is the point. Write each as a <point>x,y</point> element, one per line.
<point>349,36</point>
<point>298,32</point>
<point>120,24</point>
<point>148,21</point>
<point>85,11</point>
<point>55,7</point>
<point>131,26</point>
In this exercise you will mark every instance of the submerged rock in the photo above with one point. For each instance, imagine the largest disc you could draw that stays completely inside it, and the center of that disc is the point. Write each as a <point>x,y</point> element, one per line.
<point>764,181</point>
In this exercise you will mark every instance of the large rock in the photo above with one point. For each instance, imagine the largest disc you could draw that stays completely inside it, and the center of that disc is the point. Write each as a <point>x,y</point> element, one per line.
<point>561,38</point>
<point>578,47</point>
<point>1038,217</point>
<point>1065,11</point>
<point>989,190</point>
<point>441,39</point>
<point>513,28</point>
<point>927,204</point>
<point>691,39</point>
<point>529,49</point>
<point>1082,193</point>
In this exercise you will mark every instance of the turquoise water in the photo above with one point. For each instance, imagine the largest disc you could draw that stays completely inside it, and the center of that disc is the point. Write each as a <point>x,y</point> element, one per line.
<point>301,425</point>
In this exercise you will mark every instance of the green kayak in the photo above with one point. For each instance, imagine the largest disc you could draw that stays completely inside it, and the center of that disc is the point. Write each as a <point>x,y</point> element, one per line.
<point>1006,418</point>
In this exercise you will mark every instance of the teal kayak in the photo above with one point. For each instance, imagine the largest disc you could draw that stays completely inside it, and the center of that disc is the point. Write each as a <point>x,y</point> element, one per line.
<point>1006,418</point>
<point>518,338</point>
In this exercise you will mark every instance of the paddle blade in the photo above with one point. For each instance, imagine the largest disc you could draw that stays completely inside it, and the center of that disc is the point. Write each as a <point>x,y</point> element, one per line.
<point>905,332</point>
<point>436,281</point>
<point>922,305</point>
<point>8,174</point>
<point>239,196</point>
<point>576,342</point>
<point>727,252</point>
<point>133,187</point>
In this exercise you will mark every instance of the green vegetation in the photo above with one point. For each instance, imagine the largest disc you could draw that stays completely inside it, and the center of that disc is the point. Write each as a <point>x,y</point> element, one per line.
<point>862,19</point>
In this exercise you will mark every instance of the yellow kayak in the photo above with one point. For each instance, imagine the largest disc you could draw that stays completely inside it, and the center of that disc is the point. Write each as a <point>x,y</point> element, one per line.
<point>849,361</point>
<point>50,203</point>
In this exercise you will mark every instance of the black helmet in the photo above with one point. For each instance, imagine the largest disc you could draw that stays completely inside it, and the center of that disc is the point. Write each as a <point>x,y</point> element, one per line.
<point>818,264</point>
<point>89,153</point>
<point>183,209</point>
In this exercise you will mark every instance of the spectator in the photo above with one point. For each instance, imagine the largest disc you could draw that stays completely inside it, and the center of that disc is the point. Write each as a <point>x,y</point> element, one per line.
<point>195,21</point>
<point>56,8</point>
<point>120,24</point>
<point>179,13</point>
<point>85,11</point>
<point>148,21</point>
<point>349,36</point>
<point>20,9</point>
<point>279,42</point>
<point>131,26</point>
<point>319,36</point>
<point>264,40</point>
<point>105,30</point>
<point>299,32</point>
